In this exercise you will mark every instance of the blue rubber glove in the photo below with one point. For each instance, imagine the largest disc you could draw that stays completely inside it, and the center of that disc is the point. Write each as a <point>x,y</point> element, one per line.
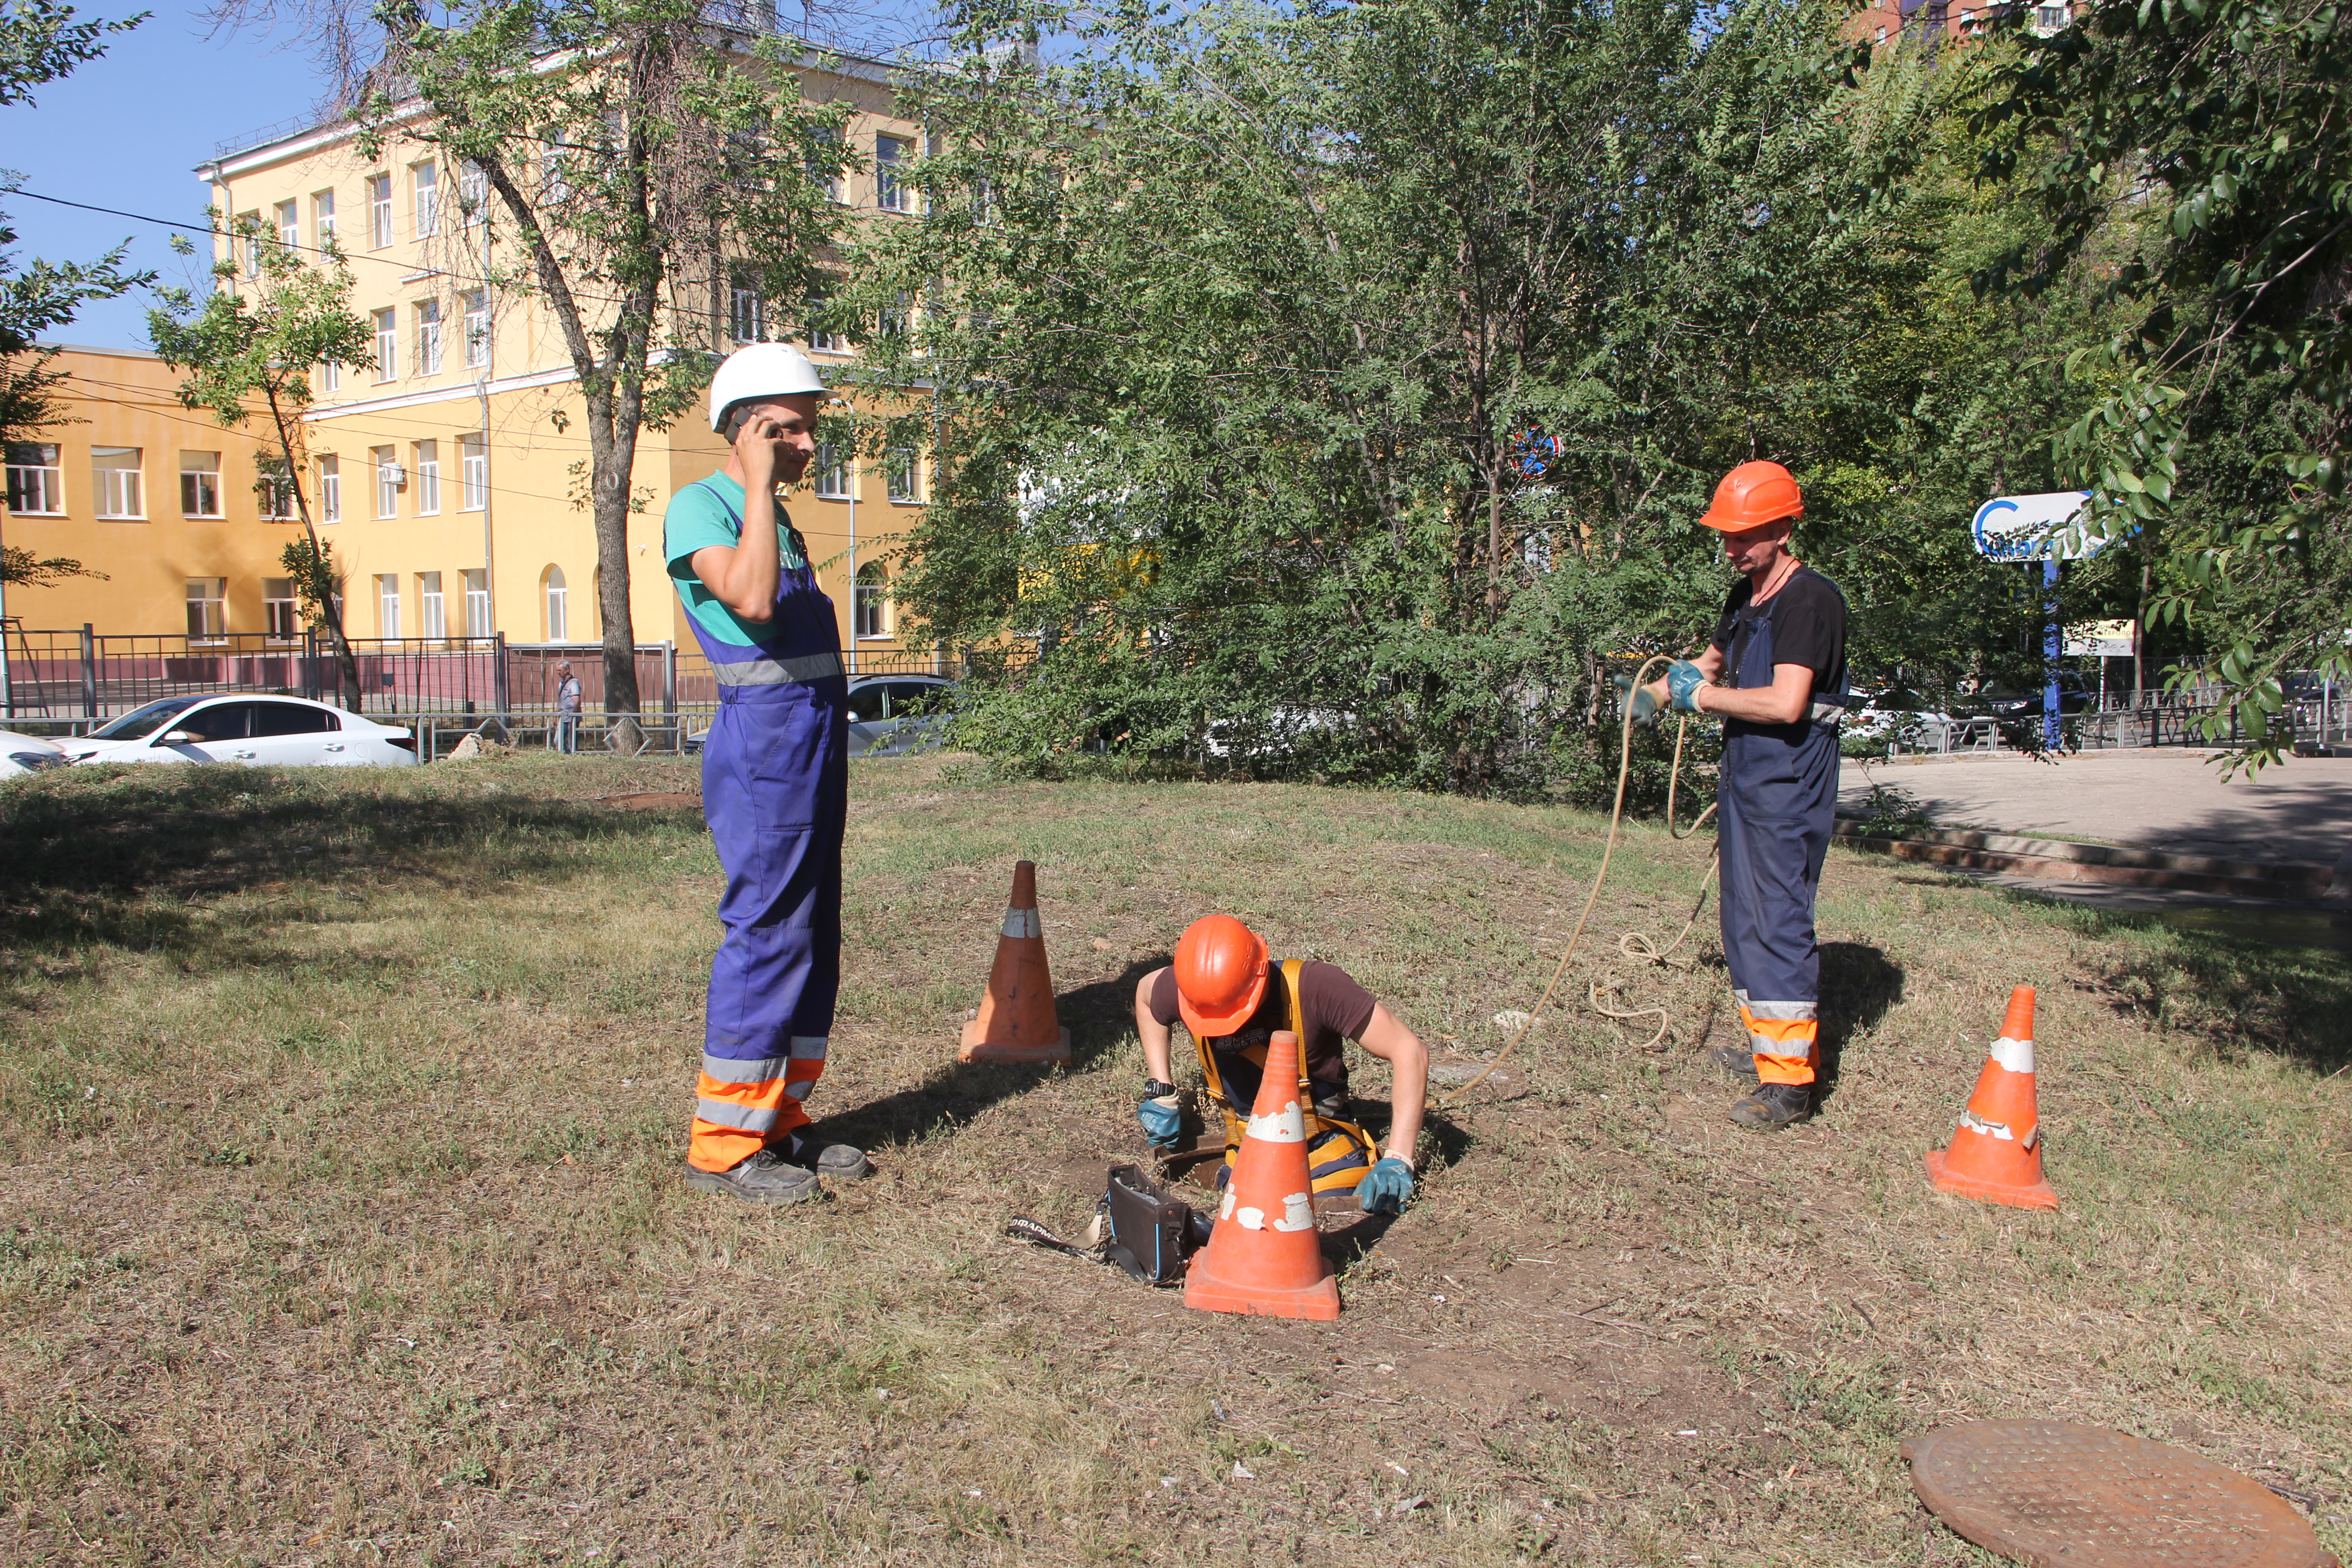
<point>1682,680</point>
<point>1163,1120</point>
<point>1386,1188</point>
<point>1640,700</point>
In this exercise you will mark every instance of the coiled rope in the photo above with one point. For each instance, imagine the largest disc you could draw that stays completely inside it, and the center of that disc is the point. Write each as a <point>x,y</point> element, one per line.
<point>1633,944</point>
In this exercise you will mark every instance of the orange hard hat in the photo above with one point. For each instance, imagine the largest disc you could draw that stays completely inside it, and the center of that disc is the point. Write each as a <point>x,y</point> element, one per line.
<point>1220,975</point>
<point>1752,495</point>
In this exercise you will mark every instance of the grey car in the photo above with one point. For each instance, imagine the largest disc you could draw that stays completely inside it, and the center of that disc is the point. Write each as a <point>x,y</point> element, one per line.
<point>890,715</point>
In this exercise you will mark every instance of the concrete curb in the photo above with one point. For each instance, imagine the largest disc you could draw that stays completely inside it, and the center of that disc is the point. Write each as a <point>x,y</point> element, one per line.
<point>2060,860</point>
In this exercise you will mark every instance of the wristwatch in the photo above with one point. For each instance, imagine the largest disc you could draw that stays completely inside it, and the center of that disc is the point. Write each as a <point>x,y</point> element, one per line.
<point>1155,1089</point>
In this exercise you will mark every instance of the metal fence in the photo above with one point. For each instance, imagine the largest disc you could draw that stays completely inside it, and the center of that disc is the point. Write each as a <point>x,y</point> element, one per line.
<point>77,679</point>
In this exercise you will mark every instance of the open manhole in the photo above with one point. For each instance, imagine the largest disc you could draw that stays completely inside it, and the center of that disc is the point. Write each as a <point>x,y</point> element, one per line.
<point>2056,1495</point>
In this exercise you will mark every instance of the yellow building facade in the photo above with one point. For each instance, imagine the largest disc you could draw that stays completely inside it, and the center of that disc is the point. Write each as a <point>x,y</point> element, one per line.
<point>449,474</point>
<point>158,499</point>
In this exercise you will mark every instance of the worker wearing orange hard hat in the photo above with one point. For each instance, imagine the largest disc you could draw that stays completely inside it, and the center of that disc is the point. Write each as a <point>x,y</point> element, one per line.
<point>1231,996</point>
<point>1780,642</point>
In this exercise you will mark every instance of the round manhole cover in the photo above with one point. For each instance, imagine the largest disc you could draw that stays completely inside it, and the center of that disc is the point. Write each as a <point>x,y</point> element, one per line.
<point>2057,1495</point>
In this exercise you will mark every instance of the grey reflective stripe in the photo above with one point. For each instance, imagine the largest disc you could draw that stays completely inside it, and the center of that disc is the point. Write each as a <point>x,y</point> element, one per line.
<point>720,1069</point>
<point>726,1113</point>
<point>1781,1010</point>
<point>1824,711</point>
<point>809,1047</point>
<point>777,672</point>
<point>1022,922</point>
<point>800,1091</point>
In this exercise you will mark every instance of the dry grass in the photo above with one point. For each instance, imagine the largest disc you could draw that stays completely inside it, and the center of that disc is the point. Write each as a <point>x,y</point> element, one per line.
<point>343,1222</point>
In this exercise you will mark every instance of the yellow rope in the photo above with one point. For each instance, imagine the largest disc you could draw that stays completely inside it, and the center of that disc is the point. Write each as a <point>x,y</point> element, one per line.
<point>1616,816</point>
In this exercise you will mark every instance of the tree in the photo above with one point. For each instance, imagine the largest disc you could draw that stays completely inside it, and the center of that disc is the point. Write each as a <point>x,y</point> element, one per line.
<point>250,346</point>
<point>637,159</point>
<point>2221,433</point>
<point>1336,387</point>
<point>20,566</point>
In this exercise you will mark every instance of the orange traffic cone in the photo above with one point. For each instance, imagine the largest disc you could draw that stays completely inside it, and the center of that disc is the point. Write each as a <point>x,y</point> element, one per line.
<point>1265,1256</point>
<point>1016,1021</point>
<point>1996,1151</point>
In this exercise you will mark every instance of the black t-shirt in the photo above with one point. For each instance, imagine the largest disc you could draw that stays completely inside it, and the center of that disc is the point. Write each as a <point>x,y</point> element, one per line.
<point>1808,618</point>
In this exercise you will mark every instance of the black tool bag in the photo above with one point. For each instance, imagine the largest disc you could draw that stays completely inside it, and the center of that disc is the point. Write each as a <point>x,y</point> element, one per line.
<point>1148,1233</point>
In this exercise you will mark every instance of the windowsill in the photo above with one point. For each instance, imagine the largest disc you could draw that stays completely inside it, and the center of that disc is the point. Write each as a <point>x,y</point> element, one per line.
<point>878,637</point>
<point>200,517</point>
<point>15,513</point>
<point>109,517</point>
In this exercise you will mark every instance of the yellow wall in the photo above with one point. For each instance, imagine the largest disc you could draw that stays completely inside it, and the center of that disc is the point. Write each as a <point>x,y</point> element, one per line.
<point>122,397</point>
<point>536,424</point>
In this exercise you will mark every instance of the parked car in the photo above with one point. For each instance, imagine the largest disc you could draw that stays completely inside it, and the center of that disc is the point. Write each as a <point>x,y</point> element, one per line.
<point>890,715</point>
<point>260,732</point>
<point>22,754</point>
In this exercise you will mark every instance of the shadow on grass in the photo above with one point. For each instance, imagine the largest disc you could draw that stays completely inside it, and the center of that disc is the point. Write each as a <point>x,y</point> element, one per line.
<point>119,857</point>
<point>1859,986</point>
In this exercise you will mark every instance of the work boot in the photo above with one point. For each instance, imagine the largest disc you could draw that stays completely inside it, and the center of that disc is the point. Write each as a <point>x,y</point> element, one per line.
<point>842,1162</point>
<point>1774,1106</point>
<point>1736,1060</point>
<point>760,1179</point>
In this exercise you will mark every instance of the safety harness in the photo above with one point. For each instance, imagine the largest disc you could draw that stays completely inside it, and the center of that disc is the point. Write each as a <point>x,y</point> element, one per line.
<point>1338,1152</point>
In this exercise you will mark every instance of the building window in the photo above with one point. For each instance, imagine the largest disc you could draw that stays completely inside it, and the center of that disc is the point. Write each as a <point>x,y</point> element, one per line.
<point>330,376</point>
<point>905,470</point>
<point>559,622</point>
<point>387,345</point>
<point>2049,18</point>
<point>431,622</point>
<point>478,601</point>
<point>822,338</point>
<point>831,473</point>
<point>473,193</point>
<point>388,481</point>
<point>289,226</point>
<point>824,164</point>
<point>207,608</point>
<point>428,337</point>
<point>275,492</point>
<point>330,489</point>
<point>473,473</point>
<point>387,604</point>
<point>323,218</point>
<point>891,192</point>
<point>871,617</point>
<point>114,475</point>
<point>427,206</point>
<point>895,316</point>
<point>200,494</point>
<point>477,330</point>
<point>554,187</point>
<point>747,313</point>
<point>247,230</point>
<point>428,479</point>
<point>278,609</point>
<point>379,210</point>
<point>37,485</point>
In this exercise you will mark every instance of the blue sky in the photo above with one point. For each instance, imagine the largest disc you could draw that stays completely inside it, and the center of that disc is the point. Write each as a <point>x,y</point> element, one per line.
<point>126,130</point>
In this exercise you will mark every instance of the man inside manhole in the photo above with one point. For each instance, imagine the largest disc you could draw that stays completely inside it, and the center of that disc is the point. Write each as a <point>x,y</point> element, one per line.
<point>1232,997</point>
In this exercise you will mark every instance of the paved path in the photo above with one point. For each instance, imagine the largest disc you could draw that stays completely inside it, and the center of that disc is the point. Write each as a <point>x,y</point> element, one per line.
<point>2161,799</point>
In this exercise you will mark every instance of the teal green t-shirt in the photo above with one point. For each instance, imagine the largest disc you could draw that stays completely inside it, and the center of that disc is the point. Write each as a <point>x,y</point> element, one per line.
<point>695,520</point>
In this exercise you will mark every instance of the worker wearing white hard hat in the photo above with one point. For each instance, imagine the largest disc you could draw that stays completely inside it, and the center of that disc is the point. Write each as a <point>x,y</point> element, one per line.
<point>775,785</point>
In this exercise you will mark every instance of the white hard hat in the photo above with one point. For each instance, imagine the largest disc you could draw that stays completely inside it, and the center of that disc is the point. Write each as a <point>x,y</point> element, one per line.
<point>760,370</point>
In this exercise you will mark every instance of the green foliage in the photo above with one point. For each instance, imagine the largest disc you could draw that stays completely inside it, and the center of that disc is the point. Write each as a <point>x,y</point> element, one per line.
<point>309,565</point>
<point>40,42</point>
<point>21,566</point>
<point>248,348</point>
<point>2217,125</point>
<point>1335,389</point>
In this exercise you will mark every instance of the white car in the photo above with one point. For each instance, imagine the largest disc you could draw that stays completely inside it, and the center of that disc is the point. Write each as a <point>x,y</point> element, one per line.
<point>260,732</point>
<point>22,754</point>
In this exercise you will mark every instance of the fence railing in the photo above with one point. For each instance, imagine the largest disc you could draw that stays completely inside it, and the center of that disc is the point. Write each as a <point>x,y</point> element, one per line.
<point>83,676</point>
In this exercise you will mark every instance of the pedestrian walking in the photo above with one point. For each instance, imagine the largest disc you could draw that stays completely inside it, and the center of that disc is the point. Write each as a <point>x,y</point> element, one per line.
<point>775,787</point>
<point>567,708</point>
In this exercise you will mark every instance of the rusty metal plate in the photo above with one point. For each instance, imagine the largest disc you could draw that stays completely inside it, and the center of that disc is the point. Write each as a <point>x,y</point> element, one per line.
<point>2056,1495</point>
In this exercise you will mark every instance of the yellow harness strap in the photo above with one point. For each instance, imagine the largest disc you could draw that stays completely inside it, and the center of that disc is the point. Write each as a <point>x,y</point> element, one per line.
<point>1324,1150</point>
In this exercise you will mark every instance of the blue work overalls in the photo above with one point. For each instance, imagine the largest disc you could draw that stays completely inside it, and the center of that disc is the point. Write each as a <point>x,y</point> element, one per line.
<point>775,787</point>
<point>1777,795</point>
